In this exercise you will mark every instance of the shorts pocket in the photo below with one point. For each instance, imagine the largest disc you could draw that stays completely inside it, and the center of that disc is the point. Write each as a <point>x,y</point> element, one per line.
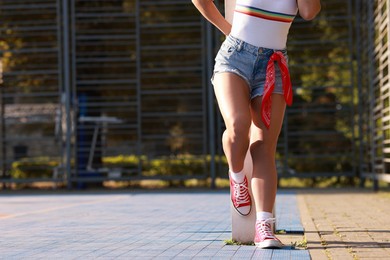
<point>227,49</point>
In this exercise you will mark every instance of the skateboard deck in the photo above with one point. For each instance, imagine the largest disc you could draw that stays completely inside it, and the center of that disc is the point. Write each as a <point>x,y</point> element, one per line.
<point>229,10</point>
<point>243,227</point>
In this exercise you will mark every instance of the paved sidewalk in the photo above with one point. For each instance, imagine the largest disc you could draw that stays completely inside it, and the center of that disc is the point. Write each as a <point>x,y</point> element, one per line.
<point>155,225</point>
<point>339,224</point>
<point>346,224</point>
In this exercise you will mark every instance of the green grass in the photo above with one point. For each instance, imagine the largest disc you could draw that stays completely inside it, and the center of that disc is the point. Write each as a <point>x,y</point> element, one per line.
<point>384,194</point>
<point>300,244</point>
<point>231,242</point>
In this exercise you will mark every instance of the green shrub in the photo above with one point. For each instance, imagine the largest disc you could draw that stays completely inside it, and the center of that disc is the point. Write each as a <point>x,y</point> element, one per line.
<point>39,167</point>
<point>123,161</point>
<point>189,165</point>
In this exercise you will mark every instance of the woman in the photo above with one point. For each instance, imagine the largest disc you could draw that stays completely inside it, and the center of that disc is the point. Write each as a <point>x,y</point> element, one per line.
<point>252,86</point>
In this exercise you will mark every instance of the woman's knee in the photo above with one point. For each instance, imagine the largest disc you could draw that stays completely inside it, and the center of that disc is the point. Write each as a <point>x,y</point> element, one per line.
<point>238,128</point>
<point>263,147</point>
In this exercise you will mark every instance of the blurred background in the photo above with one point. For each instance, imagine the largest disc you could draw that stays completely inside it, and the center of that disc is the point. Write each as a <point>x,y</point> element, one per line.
<point>117,93</point>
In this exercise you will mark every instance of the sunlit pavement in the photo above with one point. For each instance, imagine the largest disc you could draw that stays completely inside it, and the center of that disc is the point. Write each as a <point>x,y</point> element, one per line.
<point>133,225</point>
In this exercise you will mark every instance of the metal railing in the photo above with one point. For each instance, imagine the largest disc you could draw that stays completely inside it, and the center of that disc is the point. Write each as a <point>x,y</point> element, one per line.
<point>109,90</point>
<point>373,58</point>
<point>30,35</point>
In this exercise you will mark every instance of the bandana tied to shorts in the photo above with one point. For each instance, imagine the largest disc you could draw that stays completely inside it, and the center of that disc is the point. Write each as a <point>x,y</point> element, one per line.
<point>270,85</point>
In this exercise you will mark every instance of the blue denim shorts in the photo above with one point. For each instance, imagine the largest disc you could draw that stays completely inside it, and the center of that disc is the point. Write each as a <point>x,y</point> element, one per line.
<point>249,62</point>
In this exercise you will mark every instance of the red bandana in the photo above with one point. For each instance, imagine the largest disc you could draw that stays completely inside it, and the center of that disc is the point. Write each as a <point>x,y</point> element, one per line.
<point>270,85</point>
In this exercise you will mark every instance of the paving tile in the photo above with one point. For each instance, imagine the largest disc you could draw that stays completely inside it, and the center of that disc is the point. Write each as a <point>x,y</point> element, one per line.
<point>281,254</point>
<point>300,254</point>
<point>134,225</point>
<point>244,253</point>
<point>345,223</point>
<point>263,254</point>
<point>287,213</point>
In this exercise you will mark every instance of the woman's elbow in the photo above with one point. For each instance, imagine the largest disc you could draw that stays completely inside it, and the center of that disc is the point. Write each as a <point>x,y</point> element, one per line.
<point>309,14</point>
<point>199,2</point>
<point>195,2</point>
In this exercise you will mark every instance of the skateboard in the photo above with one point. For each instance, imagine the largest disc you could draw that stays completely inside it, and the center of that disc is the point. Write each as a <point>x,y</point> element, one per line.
<point>229,10</point>
<point>243,227</point>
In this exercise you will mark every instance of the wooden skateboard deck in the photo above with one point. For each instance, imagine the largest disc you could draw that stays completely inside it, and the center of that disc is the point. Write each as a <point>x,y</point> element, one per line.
<point>243,227</point>
<point>229,10</point>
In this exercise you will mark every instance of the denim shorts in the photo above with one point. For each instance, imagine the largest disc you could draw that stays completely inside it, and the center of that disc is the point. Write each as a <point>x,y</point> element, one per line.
<point>249,62</point>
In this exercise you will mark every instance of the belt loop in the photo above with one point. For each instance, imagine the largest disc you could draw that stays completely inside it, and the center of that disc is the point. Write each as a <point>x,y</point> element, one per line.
<point>240,43</point>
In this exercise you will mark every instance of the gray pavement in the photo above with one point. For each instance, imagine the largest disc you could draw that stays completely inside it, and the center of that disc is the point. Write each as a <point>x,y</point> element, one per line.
<point>143,225</point>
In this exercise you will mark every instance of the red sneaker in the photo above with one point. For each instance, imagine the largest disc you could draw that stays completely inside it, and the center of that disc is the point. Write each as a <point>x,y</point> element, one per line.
<point>240,196</point>
<point>265,238</point>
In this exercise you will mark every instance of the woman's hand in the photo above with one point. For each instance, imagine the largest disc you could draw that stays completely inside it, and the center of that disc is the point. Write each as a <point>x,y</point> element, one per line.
<point>208,9</point>
<point>308,9</point>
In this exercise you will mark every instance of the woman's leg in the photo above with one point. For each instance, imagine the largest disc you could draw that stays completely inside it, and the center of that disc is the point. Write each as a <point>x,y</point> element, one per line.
<point>263,149</point>
<point>232,94</point>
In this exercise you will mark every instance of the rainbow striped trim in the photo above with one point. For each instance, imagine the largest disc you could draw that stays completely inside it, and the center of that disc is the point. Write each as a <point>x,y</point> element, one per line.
<point>264,14</point>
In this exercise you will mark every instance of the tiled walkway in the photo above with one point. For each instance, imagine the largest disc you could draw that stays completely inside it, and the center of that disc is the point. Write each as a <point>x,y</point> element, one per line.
<point>346,223</point>
<point>158,225</point>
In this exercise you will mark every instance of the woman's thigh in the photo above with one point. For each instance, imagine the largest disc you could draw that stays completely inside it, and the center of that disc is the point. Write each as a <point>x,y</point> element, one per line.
<point>232,95</point>
<point>259,132</point>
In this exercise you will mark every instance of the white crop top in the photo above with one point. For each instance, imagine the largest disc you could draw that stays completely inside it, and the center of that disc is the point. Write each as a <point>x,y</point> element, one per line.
<point>264,23</point>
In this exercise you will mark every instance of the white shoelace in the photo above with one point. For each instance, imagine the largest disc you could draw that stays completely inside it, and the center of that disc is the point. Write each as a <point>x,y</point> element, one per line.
<point>241,193</point>
<point>264,227</point>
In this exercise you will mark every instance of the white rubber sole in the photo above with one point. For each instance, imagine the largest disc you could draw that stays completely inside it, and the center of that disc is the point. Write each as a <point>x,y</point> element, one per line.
<point>269,243</point>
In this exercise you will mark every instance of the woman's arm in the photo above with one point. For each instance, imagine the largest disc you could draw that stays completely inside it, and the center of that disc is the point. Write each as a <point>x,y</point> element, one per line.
<point>308,9</point>
<point>208,9</point>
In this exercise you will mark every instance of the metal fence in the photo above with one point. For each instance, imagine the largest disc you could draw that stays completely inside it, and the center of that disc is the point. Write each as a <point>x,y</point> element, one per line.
<point>119,90</point>
<point>31,88</point>
<point>125,83</point>
<point>318,137</point>
<point>373,58</point>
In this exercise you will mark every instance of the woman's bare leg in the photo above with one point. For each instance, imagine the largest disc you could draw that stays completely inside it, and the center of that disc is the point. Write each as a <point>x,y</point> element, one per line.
<point>232,94</point>
<point>263,149</point>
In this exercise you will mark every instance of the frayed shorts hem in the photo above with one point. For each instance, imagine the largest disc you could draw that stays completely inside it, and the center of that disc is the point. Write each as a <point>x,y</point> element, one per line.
<point>233,71</point>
